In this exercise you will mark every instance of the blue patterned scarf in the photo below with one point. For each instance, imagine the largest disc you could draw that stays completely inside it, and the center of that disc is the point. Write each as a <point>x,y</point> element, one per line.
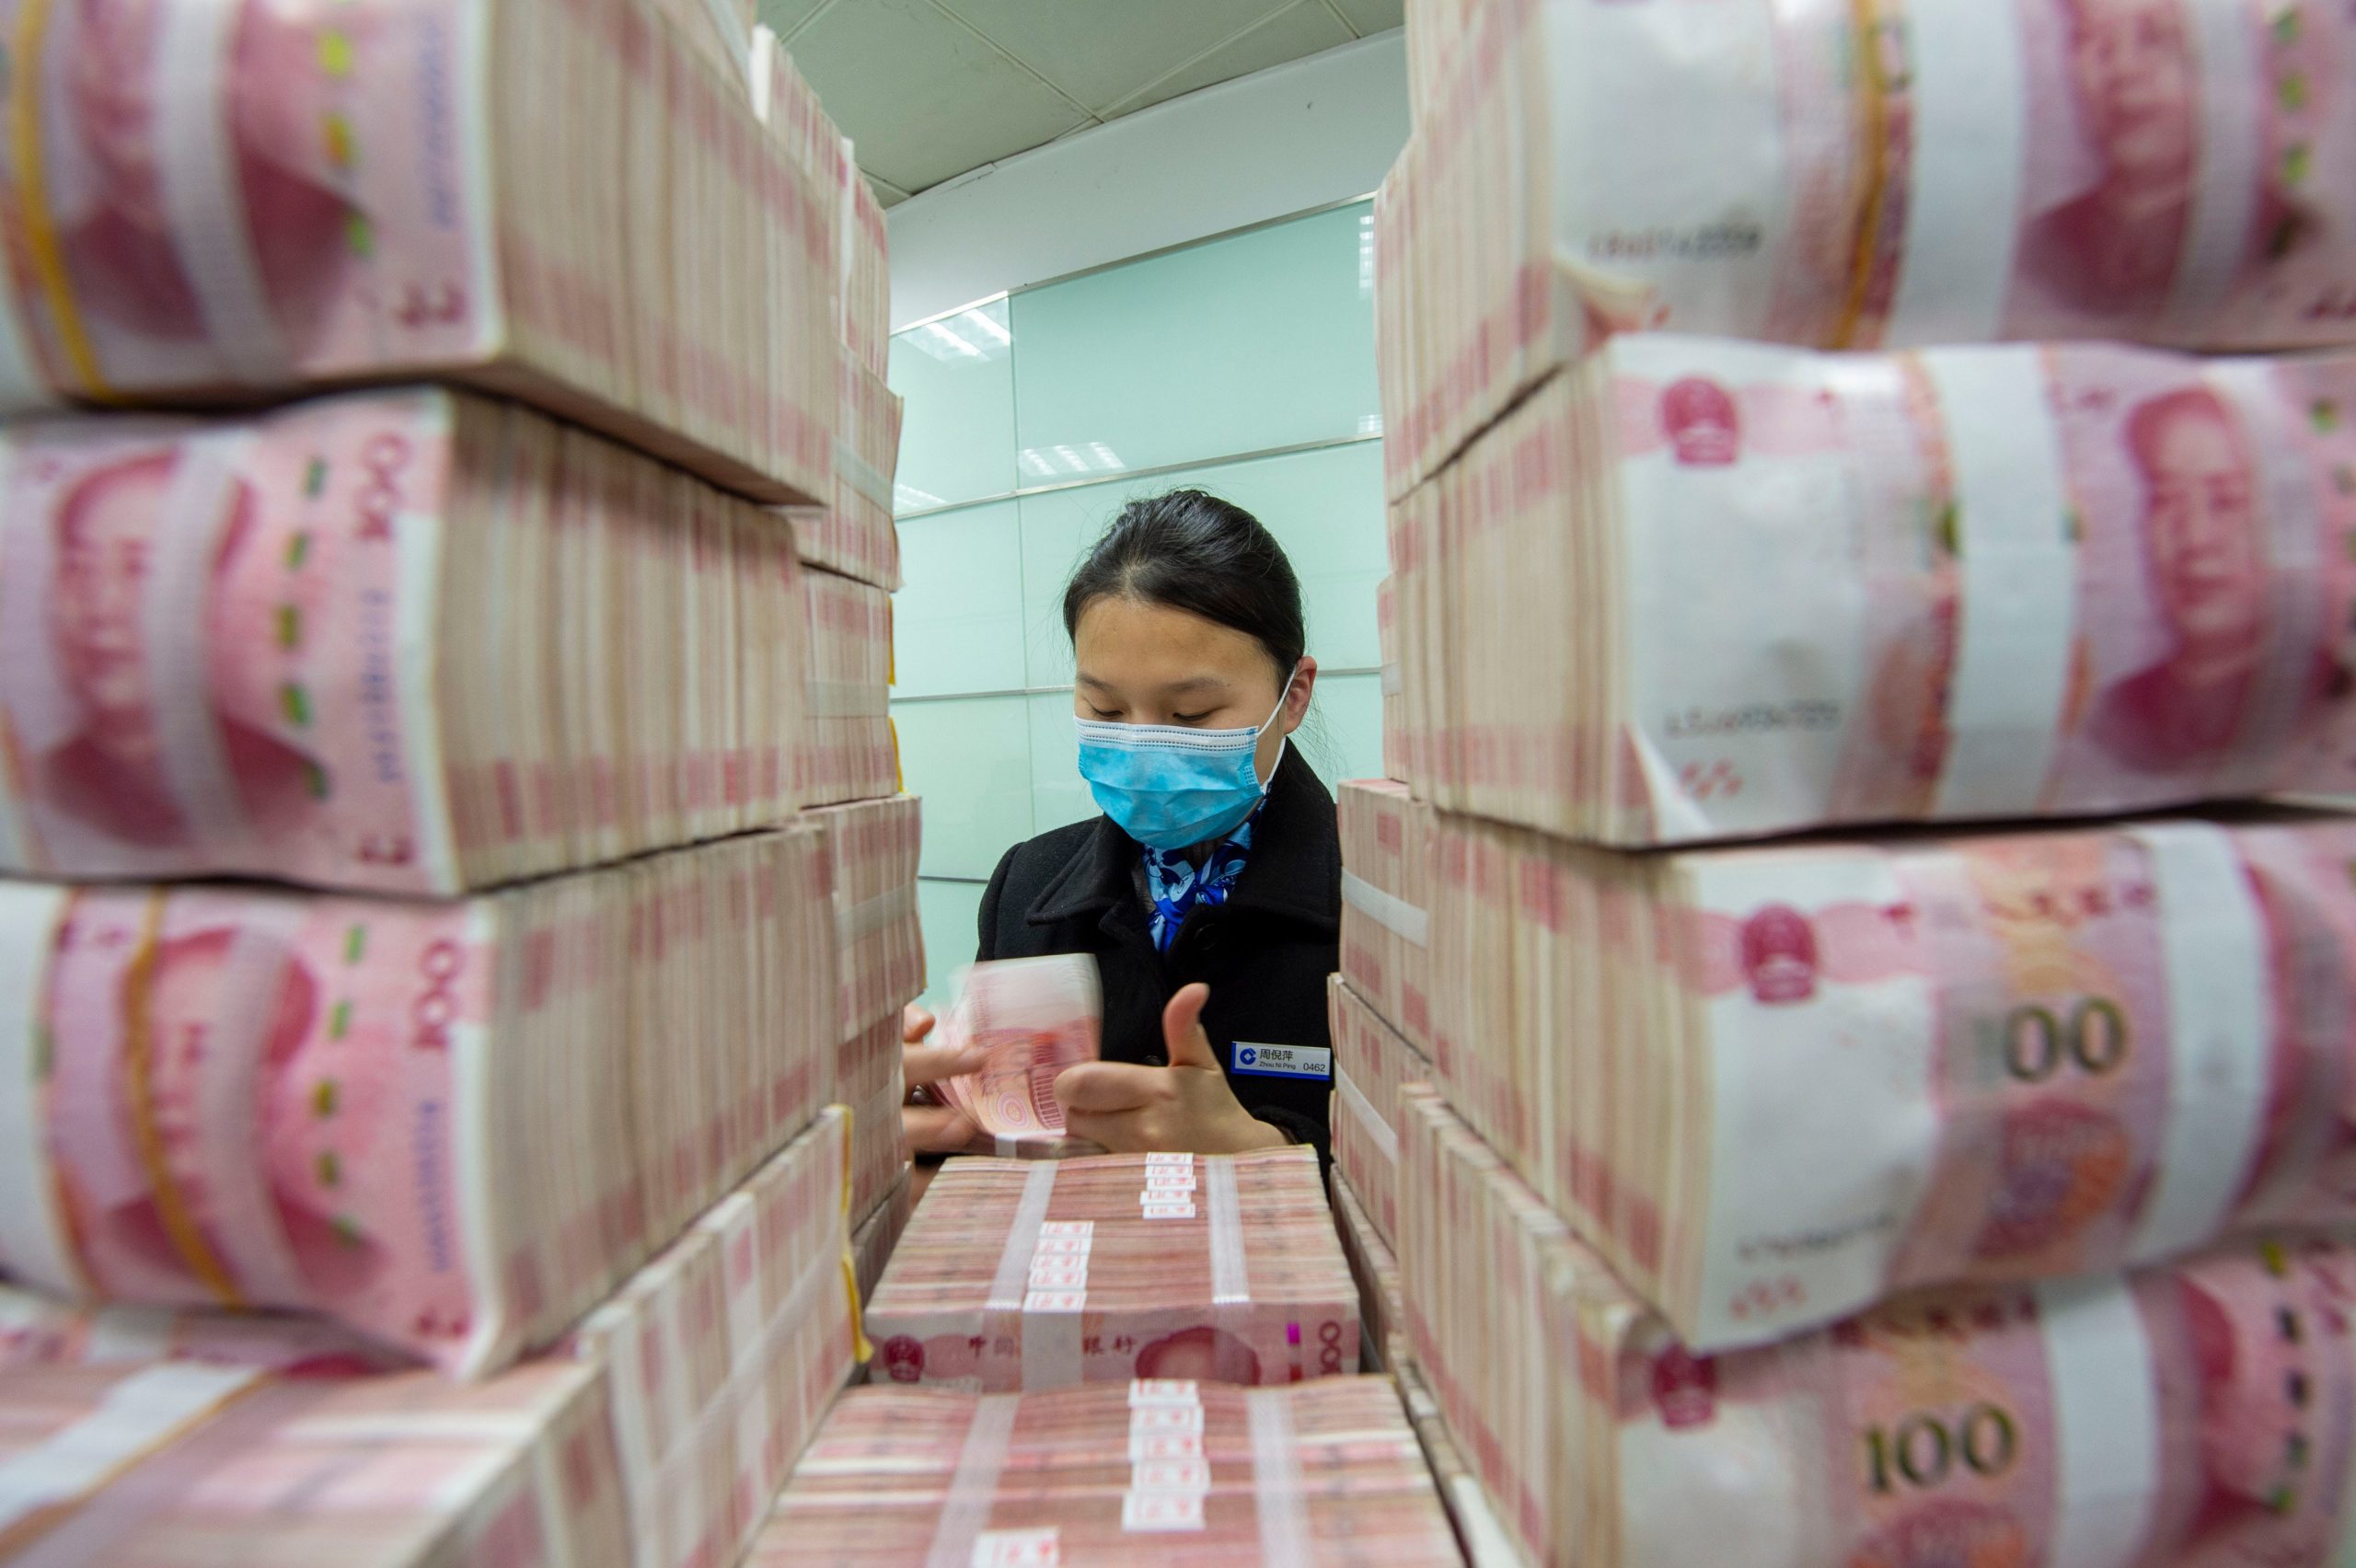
<point>1176,885</point>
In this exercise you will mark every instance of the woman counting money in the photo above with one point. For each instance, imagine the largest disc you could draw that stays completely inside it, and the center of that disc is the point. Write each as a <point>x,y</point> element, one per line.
<point>1209,890</point>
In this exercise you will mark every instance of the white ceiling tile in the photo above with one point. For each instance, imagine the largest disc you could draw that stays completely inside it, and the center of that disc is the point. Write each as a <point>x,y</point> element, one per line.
<point>919,94</point>
<point>784,15</point>
<point>1305,26</point>
<point>886,193</point>
<point>1101,53</point>
<point>1371,16</point>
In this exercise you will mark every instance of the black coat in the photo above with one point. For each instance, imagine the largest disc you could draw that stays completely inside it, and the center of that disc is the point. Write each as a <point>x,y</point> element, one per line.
<point>1264,953</point>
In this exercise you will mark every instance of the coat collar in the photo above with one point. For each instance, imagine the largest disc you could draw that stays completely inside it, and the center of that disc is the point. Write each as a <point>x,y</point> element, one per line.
<point>1295,871</point>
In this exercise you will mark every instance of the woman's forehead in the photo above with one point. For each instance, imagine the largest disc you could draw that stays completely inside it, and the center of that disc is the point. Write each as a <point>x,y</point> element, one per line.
<point>1120,640</point>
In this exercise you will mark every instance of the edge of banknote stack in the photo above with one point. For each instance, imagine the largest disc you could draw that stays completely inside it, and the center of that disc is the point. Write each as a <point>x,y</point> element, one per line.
<point>1849,438</point>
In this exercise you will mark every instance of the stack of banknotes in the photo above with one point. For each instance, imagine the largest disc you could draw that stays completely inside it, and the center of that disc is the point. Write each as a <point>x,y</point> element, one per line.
<point>407,641</point>
<point>41,1331</point>
<point>2201,1411</point>
<point>1031,1018</point>
<point>2180,172</point>
<point>1743,589</point>
<point>1382,1310</point>
<point>1019,1274</point>
<point>723,1352</point>
<point>1371,1063</point>
<point>580,208</point>
<point>654,1437</point>
<point>850,749</point>
<point>1994,1057</point>
<point>868,1084</point>
<point>872,1243</point>
<point>1387,842</point>
<point>871,849</point>
<point>165,1462</point>
<point>453,1126</point>
<point>1480,1535</point>
<point>1164,1471</point>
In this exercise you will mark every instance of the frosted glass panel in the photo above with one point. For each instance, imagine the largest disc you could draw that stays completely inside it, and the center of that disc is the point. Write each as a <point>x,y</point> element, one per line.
<point>1057,793</point>
<point>1324,507</point>
<point>957,434</point>
<point>947,911</point>
<point>1266,339</point>
<point>1347,742</point>
<point>957,624</point>
<point>970,758</point>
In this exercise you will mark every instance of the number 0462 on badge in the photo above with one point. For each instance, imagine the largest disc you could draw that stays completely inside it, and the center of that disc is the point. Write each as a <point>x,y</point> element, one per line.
<point>1285,1061</point>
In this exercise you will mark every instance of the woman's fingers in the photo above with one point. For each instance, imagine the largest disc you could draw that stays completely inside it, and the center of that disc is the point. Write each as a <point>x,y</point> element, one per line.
<point>936,1129</point>
<point>930,1064</point>
<point>915,1025</point>
<point>1100,1087</point>
<point>1182,1029</point>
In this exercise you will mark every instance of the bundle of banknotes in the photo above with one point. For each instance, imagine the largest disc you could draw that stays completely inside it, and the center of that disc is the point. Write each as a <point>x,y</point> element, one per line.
<point>1382,1312</point>
<point>1164,1471</point>
<point>572,206</point>
<point>1886,174</point>
<point>854,535</point>
<point>871,849</point>
<point>44,1330</point>
<point>2201,1412</point>
<point>659,1431</point>
<point>866,1082</point>
<point>1388,839</point>
<point>1698,589</point>
<point>1018,1275</point>
<point>1394,680</point>
<point>1370,1064</point>
<point>872,1244</point>
<point>400,641</point>
<point>1989,1058</point>
<point>850,750</point>
<point>723,1352</point>
<point>1479,1536</point>
<point>451,1126</point>
<point>176,1462</point>
<point>1031,1017</point>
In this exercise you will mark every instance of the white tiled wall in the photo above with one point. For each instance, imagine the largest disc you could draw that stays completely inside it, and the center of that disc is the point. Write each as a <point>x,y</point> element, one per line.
<point>1243,366</point>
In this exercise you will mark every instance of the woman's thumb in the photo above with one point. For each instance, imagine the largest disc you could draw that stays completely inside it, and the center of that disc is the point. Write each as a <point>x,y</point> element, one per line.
<point>1182,1029</point>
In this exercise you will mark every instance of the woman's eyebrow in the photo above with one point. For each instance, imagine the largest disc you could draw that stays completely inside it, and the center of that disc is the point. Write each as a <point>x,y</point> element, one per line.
<point>1194,684</point>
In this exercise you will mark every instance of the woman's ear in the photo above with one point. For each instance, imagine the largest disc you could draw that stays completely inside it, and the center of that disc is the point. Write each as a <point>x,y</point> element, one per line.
<point>1304,681</point>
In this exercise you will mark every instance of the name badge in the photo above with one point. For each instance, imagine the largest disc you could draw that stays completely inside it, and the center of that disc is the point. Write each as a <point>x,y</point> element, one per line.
<point>1283,1061</point>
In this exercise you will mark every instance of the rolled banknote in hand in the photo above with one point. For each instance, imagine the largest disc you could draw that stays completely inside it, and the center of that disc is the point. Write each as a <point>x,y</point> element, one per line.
<point>1887,174</point>
<point>1772,1085</point>
<point>1029,1019</point>
<point>1697,589</point>
<point>2201,1413</point>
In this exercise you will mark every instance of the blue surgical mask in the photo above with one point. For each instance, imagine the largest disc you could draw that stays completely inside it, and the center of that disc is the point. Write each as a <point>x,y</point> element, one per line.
<point>1168,785</point>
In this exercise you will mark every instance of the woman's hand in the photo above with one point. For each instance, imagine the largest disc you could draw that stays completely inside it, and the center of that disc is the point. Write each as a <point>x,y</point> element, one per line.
<point>931,1129</point>
<point>1186,1107</point>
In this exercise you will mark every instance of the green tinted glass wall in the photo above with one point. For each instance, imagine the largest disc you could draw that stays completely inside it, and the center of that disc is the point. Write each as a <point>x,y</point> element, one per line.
<point>1243,366</point>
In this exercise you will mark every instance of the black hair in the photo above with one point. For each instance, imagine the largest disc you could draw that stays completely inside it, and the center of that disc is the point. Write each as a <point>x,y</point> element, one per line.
<point>1194,552</point>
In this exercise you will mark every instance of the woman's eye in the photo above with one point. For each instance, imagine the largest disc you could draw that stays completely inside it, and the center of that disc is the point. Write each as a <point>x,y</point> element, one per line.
<point>1105,712</point>
<point>1188,717</point>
